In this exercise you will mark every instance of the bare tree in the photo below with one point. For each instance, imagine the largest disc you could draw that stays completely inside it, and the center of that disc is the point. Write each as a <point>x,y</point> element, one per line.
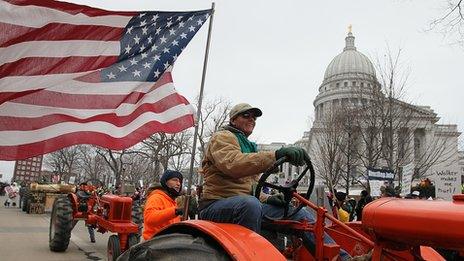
<point>214,115</point>
<point>451,22</point>
<point>64,161</point>
<point>93,164</point>
<point>116,161</point>
<point>160,148</point>
<point>327,150</point>
<point>137,168</point>
<point>180,161</point>
<point>387,124</point>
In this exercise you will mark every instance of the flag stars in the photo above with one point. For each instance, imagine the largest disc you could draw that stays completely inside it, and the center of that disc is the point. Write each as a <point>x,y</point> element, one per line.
<point>169,24</point>
<point>190,18</point>
<point>129,30</point>
<point>128,48</point>
<point>172,31</point>
<point>156,57</point>
<point>166,65</point>
<point>111,75</point>
<point>155,17</point>
<point>163,39</point>
<point>142,48</point>
<point>144,55</point>
<point>122,68</point>
<point>133,61</point>
<point>154,48</point>
<point>165,50</point>
<point>158,30</point>
<point>136,73</point>
<point>157,73</point>
<point>174,57</point>
<point>145,30</point>
<point>143,23</point>
<point>146,65</point>
<point>181,24</point>
<point>150,39</point>
<point>179,17</point>
<point>175,42</point>
<point>192,28</point>
<point>142,15</point>
<point>183,35</point>
<point>199,22</point>
<point>137,39</point>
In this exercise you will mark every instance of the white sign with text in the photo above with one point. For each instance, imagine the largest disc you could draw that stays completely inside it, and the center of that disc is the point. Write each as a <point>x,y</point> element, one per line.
<point>447,183</point>
<point>406,181</point>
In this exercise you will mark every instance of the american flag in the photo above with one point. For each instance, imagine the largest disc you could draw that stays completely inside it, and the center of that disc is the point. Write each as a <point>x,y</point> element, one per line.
<point>72,74</point>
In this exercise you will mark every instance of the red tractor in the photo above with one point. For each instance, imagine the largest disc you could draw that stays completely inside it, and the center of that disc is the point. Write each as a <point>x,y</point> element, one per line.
<point>391,229</point>
<point>107,212</point>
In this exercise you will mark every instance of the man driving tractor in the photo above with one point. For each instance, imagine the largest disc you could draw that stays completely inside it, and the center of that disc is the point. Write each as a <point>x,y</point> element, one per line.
<point>232,164</point>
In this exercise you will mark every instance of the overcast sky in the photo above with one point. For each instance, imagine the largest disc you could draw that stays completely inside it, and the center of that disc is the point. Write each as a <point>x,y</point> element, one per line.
<point>273,54</point>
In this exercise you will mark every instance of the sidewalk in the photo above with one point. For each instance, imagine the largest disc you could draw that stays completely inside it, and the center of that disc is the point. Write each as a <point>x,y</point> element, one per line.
<point>25,237</point>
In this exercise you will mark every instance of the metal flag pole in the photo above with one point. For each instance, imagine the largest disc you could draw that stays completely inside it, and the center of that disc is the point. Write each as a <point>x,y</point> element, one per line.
<point>200,100</point>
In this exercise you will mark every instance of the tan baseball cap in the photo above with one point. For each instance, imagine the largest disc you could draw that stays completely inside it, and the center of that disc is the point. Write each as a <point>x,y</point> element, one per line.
<point>244,107</point>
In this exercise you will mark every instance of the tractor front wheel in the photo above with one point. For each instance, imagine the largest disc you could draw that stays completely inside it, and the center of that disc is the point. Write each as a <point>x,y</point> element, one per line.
<point>114,248</point>
<point>177,247</point>
<point>61,224</point>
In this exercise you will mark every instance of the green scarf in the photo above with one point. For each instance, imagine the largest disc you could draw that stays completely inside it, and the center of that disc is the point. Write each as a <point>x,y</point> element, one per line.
<point>246,146</point>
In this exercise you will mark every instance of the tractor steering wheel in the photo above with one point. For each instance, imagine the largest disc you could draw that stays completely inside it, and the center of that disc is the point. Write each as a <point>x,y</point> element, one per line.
<point>287,189</point>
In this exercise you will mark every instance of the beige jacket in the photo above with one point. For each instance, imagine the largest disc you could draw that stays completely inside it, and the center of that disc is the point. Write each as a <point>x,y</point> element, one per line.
<point>229,172</point>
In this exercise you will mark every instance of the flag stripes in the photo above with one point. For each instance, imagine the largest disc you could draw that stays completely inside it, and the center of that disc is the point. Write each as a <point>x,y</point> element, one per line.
<point>72,74</point>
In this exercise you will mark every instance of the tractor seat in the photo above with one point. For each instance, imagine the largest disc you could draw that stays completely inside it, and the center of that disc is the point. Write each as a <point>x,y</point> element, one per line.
<point>83,195</point>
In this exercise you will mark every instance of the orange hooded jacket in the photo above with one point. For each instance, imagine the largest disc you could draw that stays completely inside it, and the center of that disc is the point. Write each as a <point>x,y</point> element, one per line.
<point>159,212</point>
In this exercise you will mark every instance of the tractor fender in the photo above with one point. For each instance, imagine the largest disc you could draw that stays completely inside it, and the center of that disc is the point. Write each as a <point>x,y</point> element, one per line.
<point>74,201</point>
<point>239,242</point>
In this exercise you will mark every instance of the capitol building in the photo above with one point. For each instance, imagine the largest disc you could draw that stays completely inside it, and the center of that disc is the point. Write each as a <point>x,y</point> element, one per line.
<point>362,123</point>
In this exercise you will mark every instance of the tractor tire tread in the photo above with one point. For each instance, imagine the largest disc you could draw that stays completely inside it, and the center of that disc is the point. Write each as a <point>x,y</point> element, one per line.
<point>60,240</point>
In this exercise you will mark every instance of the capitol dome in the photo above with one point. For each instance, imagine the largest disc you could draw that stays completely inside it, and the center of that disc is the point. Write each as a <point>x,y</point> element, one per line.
<point>349,63</point>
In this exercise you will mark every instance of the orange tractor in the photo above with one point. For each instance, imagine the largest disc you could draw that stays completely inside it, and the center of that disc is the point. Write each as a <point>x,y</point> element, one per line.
<point>391,229</point>
<point>111,213</point>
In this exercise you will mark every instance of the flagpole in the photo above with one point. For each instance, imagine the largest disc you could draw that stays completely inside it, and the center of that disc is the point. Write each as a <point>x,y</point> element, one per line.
<point>200,100</point>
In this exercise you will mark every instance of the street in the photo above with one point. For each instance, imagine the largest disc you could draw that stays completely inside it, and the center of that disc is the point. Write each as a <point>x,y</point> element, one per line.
<point>25,237</point>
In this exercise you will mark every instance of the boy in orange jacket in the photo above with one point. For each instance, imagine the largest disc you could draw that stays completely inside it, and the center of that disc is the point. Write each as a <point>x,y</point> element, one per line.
<point>161,208</point>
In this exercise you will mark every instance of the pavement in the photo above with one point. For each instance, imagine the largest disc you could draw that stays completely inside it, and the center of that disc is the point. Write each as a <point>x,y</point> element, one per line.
<point>25,237</point>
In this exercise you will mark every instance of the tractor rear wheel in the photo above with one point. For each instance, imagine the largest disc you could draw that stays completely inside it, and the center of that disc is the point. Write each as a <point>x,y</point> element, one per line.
<point>25,199</point>
<point>61,224</point>
<point>114,248</point>
<point>176,247</point>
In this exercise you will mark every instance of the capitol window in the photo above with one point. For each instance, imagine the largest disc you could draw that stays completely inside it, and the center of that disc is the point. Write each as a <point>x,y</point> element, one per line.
<point>345,84</point>
<point>337,85</point>
<point>353,83</point>
<point>362,84</point>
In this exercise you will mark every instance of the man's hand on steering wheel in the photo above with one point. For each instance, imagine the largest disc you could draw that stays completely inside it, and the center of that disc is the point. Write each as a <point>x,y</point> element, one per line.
<point>295,155</point>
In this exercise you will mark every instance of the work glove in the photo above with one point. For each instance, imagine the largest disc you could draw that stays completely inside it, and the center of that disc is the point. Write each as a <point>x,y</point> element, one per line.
<point>296,156</point>
<point>276,200</point>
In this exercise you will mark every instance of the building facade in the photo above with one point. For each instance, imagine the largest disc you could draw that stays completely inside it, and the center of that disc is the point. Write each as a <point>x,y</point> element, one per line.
<point>410,135</point>
<point>28,170</point>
